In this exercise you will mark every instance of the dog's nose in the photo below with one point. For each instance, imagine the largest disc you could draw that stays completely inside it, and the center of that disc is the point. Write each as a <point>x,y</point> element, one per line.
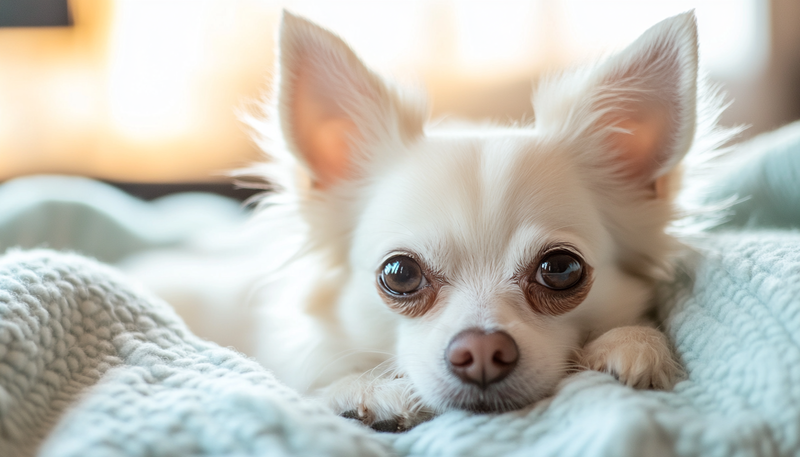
<point>481,358</point>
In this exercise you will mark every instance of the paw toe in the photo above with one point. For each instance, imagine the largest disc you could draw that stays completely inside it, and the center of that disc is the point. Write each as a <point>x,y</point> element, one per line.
<point>388,425</point>
<point>352,414</point>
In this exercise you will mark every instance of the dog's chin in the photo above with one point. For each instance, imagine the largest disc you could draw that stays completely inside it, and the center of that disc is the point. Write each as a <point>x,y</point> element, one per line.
<point>494,399</point>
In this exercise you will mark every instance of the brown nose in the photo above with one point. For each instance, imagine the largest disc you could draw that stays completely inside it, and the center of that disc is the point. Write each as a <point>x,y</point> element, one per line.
<point>481,358</point>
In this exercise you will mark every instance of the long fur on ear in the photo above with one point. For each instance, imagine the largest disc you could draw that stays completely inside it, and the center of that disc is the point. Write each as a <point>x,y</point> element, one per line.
<point>640,104</point>
<point>594,108</point>
<point>330,105</point>
<point>307,199</point>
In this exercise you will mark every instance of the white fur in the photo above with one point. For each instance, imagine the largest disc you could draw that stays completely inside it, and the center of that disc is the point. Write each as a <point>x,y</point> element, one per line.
<point>477,204</point>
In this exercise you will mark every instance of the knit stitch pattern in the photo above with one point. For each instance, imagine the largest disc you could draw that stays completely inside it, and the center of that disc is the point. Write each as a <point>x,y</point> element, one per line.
<point>91,366</point>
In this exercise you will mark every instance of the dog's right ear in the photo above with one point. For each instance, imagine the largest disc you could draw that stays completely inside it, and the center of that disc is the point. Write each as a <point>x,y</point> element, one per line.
<point>332,108</point>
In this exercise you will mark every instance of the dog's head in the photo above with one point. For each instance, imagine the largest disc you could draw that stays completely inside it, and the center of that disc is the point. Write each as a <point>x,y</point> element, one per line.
<point>484,257</point>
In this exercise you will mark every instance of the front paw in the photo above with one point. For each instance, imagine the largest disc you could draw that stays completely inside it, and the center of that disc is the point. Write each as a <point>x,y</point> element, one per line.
<point>385,404</point>
<point>640,357</point>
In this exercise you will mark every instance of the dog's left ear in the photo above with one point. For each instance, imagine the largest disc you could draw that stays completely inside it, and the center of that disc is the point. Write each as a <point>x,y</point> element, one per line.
<point>642,102</point>
<point>332,108</point>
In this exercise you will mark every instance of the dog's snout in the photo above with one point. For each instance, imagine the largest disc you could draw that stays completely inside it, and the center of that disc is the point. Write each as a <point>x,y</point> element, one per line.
<point>481,358</point>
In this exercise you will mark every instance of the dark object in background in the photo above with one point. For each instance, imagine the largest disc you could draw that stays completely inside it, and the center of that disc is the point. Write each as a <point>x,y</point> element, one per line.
<point>34,13</point>
<point>153,191</point>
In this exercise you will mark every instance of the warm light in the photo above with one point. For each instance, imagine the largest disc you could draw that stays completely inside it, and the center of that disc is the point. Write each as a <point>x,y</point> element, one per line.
<point>149,90</point>
<point>137,90</point>
<point>154,63</point>
<point>72,97</point>
<point>733,34</point>
<point>509,36</point>
<point>391,35</point>
<point>523,36</point>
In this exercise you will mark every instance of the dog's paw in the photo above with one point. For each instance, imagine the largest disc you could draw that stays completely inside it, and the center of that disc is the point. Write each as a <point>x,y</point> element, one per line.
<point>640,357</point>
<point>385,404</point>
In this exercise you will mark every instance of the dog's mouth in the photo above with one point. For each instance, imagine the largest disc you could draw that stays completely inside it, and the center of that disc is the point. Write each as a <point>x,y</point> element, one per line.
<point>495,399</point>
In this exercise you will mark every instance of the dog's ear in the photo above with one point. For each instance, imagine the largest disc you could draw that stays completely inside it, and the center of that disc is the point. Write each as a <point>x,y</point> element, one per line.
<point>642,101</point>
<point>331,106</point>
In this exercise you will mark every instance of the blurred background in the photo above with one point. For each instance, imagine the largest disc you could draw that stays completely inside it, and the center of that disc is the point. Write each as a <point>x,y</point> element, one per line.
<point>107,103</point>
<point>147,91</point>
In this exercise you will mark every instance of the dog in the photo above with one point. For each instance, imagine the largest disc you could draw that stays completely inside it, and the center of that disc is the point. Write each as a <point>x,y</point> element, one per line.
<point>473,267</point>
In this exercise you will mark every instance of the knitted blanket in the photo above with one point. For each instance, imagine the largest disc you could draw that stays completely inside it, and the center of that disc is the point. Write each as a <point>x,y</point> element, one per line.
<point>92,366</point>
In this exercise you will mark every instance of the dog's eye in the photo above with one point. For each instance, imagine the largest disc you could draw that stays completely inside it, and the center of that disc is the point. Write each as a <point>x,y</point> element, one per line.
<point>559,271</point>
<point>401,275</point>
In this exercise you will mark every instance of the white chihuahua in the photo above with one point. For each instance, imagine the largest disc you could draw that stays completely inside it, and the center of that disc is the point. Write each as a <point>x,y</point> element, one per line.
<point>472,267</point>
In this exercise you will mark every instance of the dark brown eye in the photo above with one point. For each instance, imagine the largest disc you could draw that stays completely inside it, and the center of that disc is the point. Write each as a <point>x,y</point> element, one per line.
<point>559,271</point>
<point>401,275</point>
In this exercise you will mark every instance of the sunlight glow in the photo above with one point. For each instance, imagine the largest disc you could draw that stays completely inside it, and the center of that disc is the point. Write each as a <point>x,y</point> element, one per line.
<point>152,65</point>
<point>149,90</point>
<point>733,34</point>
<point>522,35</point>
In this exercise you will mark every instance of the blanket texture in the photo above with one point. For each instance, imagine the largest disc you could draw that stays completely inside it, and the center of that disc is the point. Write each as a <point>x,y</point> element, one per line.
<point>90,365</point>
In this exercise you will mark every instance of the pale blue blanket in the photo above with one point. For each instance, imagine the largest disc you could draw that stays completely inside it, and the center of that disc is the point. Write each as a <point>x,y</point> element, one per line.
<point>91,366</point>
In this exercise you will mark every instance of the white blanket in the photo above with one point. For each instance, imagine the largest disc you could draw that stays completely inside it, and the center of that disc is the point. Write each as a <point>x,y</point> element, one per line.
<point>90,366</point>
